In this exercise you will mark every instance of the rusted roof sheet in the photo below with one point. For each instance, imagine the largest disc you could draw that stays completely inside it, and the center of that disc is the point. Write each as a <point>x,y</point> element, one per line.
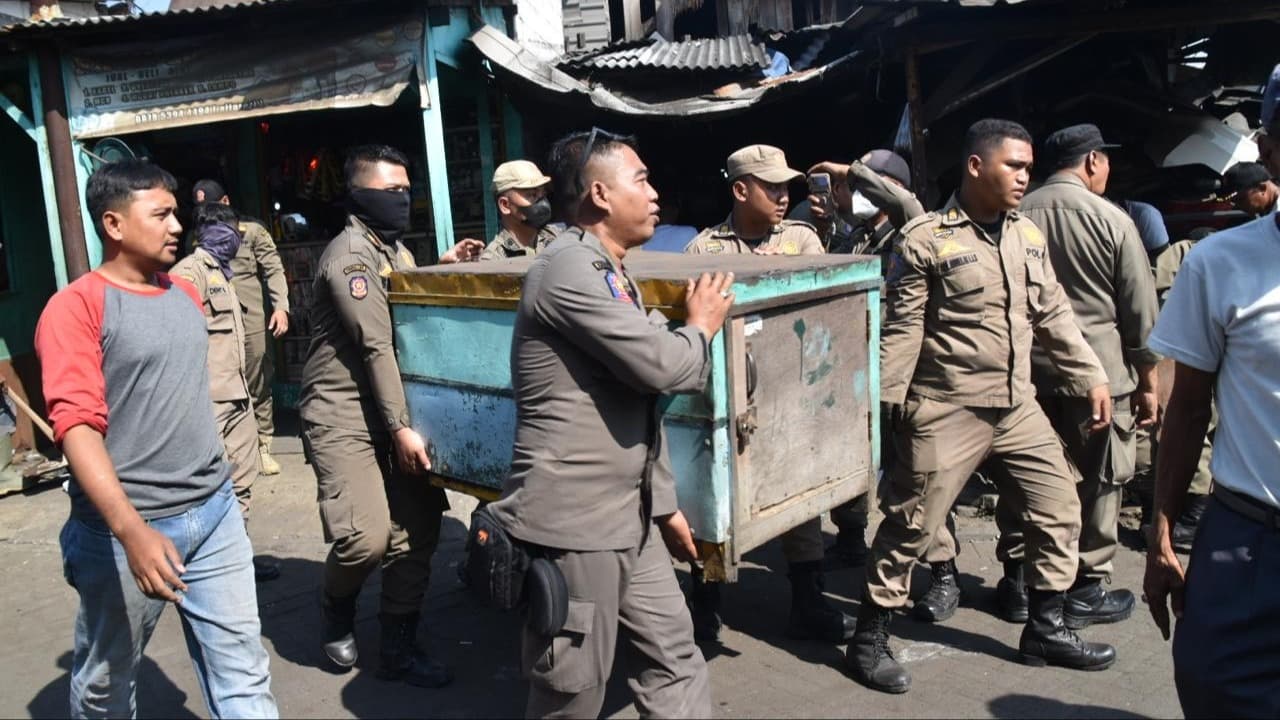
<point>739,52</point>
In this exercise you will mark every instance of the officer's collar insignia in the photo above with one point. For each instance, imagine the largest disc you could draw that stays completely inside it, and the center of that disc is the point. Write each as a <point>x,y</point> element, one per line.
<point>617,286</point>
<point>1032,235</point>
<point>953,215</point>
<point>943,232</point>
<point>949,248</point>
<point>359,286</point>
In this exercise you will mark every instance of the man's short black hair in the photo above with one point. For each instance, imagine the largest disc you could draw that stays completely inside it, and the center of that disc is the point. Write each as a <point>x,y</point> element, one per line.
<point>211,212</point>
<point>986,135</point>
<point>1069,161</point>
<point>111,187</point>
<point>568,159</point>
<point>361,157</point>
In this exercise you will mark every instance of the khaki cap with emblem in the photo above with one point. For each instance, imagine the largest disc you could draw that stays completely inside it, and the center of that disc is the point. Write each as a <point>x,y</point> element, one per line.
<point>762,161</point>
<point>518,175</point>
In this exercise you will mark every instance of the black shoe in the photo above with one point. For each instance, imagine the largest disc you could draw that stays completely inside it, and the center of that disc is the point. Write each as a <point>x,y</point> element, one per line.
<point>1011,594</point>
<point>265,570</point>
<point>401,660</point>
<point>1089,604</point>
<point>812,617</point>
<point>869,658</point>
<point>337,630</point>
<point>1046,640</point>
<point>849,550</point>
<point>704,608</point>
<point>943,597</point>
<point>1184,531</point>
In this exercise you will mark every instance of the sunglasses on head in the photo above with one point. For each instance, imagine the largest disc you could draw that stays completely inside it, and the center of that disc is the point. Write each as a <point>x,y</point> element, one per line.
<point>596,134</point>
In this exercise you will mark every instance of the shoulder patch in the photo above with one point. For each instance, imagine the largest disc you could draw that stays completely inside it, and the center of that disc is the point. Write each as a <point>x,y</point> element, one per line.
<point>897,266</point>
<point>359,286</point>
<point>357,267</point>
<point>617,286</point>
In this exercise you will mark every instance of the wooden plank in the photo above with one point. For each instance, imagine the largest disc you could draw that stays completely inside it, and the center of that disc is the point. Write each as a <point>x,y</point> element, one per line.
<point>915,107</point>
<point>433,137</point>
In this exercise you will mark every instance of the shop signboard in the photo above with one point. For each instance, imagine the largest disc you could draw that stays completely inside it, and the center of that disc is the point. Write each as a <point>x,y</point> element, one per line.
<point>204,78</point>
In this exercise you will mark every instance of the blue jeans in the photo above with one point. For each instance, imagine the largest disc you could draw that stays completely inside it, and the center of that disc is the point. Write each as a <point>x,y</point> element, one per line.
<point>219,613</point>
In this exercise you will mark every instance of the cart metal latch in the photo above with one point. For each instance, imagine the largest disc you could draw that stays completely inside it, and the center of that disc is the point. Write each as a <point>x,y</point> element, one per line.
<point>746,427</point>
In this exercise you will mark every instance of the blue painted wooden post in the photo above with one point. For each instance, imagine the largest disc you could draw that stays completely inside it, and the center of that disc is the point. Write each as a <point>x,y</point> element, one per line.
<point>433,135</point>
<point>46,172</point>
<point>513,127</point>
<point>485,128</point>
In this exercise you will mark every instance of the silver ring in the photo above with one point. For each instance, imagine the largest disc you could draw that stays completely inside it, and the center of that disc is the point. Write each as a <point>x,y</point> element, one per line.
<point>724,293</point>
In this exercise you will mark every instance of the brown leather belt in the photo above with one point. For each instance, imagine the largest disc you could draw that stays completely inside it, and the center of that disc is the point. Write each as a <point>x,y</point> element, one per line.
<point>1255,510</point>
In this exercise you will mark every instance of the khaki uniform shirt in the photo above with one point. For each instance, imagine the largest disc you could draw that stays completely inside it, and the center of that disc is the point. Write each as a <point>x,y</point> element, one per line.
<point>226,326</point>
<point>587,366</point>
<point>505,245</point>
<point>1168,265</point>
<point>351,379</point>
<point>258,263</point>
<point>962,309</point>
<point>790,237</point>
<point>1103,267</point>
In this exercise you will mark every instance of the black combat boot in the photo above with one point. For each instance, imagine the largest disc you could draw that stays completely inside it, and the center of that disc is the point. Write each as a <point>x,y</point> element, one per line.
<point>704,608</point>
<point>337,630</point>
<point>1011,593</point>
<point>849,550</point>
<point>1046,640</point>
<point>1089,604</point>
<point>1184,531</point>
<point>812,617</point>
<point>869,658</point>
<point>400,658</point>
<point>943,597</point>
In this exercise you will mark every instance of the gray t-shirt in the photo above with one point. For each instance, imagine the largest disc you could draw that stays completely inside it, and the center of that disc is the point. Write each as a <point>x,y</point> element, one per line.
<point>132,365</point>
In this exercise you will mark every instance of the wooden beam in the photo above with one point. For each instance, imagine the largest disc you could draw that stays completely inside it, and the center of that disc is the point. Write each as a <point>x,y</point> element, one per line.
<point>15,112</point>
<point>933,112</point>
<point>919,164</point>
<point>632,22</point>
<point>960,76</point>
<point>433,137</point>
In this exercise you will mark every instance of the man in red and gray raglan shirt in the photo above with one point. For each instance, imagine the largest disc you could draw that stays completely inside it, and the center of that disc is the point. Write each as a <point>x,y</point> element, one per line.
<point>153,516</point>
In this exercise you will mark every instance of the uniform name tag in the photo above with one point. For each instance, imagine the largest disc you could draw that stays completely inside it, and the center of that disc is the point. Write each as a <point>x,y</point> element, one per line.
<point>1035,252</point>
<point>951,264</point>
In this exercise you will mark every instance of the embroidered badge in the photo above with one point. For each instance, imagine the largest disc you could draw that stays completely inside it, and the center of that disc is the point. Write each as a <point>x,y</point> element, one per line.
<point>215,278</point>
<point>617,286</point>
<point>1032,234</point>
<point>715,246</point>
<point>949,248</point>
<point>957,262</point>
<point>358,267</point>
<point>790,248</point>
<point>359,286</point>
<point>952,215</point>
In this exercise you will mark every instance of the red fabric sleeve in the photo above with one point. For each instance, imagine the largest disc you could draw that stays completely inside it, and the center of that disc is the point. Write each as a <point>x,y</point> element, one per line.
<point>69,345</point>
<point>186,287</point>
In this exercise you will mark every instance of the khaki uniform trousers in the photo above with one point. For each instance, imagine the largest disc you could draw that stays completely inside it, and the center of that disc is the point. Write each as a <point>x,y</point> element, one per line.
<point>1105,461</point>
<point>259,372</point>
<point>240,441</point>
<point>939,445</point>
<point>632,593</point>
<point>373,515</point>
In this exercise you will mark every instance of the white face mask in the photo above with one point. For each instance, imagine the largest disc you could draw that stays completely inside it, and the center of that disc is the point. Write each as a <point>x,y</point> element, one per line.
<point>862,208</point>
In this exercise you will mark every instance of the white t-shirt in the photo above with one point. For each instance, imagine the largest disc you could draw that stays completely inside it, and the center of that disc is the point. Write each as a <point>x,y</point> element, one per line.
<point>1223,316</point>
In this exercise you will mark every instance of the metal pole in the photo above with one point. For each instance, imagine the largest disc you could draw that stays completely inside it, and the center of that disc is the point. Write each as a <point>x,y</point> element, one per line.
<point>62,163</point>
<point>919,166</point>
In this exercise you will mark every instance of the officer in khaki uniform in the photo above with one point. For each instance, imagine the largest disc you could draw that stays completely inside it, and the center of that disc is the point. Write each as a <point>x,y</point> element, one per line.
<point>967,288</point>
<point>208,268</point>
<point>1100,261</point>
<point>520,191</point>
<point>758,178</point>
<point>256,264</point>
<point>375,506</point>
<point>591,485</point>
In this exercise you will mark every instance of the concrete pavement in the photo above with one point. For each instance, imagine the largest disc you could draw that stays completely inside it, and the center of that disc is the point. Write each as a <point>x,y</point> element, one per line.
<point>965,668</point>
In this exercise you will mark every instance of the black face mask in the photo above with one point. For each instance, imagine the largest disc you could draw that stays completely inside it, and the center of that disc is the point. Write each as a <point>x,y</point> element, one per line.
<point>538,214</point>
<point>386,212</point>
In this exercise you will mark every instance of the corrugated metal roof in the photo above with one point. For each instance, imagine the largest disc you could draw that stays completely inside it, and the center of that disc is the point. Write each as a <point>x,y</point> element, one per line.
<point>30,26</point>
<point>739,52</point>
